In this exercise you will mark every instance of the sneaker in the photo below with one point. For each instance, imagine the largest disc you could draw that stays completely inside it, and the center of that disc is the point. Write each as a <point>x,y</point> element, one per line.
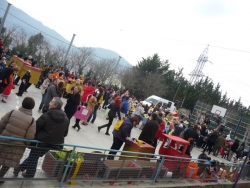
<point>4,100</point>
<point>107,134</point>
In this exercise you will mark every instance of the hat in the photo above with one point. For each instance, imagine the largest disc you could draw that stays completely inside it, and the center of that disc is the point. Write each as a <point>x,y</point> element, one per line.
<point>30,57</point>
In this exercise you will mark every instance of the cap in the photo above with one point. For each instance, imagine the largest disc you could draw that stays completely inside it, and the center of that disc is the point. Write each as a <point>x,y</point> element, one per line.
<point>30,57</point>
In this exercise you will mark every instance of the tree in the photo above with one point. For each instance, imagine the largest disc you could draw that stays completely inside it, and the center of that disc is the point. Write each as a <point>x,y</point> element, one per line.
<point>81,58</point>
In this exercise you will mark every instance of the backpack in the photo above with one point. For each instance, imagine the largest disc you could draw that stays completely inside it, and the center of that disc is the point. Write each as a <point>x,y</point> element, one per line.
<point>118,125</point>
<point>88,97</point>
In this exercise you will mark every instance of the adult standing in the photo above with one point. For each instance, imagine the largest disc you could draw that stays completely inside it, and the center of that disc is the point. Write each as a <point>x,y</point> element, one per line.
<point>51,128</point>
<point>45,86</point>
<point>16,123</point>
<point>149,130</point>
<point>211,141</point>
<point>191,135</point>
<point>122,135</point>
<point>50,94</point>
<point>220,142</point>
<point>114,109</point>
<point>234,148</point>
<point>73,100</point>
<point>25,81</point>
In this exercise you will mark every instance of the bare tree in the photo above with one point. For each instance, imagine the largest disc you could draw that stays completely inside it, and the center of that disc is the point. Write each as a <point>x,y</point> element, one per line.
<point>81,58</point>
<point>104,69</point>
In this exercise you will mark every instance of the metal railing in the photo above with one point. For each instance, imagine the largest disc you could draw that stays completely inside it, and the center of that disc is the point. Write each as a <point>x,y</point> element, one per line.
<point>90,164</point>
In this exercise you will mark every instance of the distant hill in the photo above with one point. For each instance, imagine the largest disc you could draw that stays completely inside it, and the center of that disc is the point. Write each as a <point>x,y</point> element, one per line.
<point>16,15</point>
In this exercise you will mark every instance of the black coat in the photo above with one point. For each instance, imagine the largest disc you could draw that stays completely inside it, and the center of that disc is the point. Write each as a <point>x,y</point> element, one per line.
<point>191,133</point>
<point>72,103</point>
<point>51,128</point>
<point>6,74</point>
<point>213,137</point>
<point>149,131</point>
<point>177,130</point>
<point>235,146</point>
<point>114,108</point>
<point>26,78</point>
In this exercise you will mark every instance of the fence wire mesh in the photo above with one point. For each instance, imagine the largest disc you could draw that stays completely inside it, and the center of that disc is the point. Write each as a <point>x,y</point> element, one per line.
<point>239,125</point>
<point>94,165</point>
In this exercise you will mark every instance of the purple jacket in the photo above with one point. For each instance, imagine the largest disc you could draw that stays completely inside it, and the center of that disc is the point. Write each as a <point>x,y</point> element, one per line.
<point>124,130</point>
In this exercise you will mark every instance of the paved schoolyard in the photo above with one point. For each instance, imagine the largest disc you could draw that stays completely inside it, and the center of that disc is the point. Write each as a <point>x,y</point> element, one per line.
<point>87,136</point>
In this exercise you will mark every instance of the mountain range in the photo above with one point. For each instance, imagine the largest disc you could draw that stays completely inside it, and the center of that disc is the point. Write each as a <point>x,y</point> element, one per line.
<point>31,26</point>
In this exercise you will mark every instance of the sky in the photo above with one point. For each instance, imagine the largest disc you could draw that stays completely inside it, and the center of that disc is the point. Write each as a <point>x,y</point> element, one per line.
<point>178,30</point>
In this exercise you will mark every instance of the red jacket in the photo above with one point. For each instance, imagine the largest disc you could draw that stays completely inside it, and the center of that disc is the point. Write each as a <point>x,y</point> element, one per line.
<point>89,90</point>
<point>159,134</point>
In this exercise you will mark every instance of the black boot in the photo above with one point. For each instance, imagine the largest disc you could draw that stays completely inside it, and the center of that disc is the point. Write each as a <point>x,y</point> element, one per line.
<point>3,171</point>
<point>100,127</point>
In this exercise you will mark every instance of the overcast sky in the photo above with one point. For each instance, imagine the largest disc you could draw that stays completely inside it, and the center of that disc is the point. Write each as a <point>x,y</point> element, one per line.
<point>178,30</point>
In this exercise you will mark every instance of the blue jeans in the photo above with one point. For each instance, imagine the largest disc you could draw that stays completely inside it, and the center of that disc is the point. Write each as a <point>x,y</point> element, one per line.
<point>30,163</point>
<point>42,102</point>
<point>92,114</point>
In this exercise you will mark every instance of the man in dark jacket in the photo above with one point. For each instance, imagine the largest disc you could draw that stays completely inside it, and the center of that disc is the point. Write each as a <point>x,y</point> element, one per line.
<point>122,135</point>
<point>51,128</point>
<point>149,130</point>
<point>211,141</point>
<point>50,94</point>
<point>25,81</point>
<point>204,132</point>
<point>234,148</point>
<point>191,135</point>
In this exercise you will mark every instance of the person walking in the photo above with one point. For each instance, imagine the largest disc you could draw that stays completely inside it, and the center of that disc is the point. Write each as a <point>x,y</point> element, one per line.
<point>17,123</point>
<point>45,86</point>
<point>92,116</point>
<point>50,94</point>
<point>25,80</point>
<point>114,109</point>
<point>73,100</point>
<point>125,107</point>
<point>51,128</point>
<point>122,135</point>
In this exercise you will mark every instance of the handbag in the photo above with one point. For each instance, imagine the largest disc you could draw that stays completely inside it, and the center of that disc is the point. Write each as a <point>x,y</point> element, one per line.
<point>106,112</point>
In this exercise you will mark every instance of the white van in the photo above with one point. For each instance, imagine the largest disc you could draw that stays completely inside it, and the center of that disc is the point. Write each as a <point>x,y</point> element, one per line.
<point>153,99</point>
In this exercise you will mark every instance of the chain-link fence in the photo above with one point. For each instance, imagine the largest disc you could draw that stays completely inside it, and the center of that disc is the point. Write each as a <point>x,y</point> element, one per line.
<point>87,164</point>
<point>234,122</point>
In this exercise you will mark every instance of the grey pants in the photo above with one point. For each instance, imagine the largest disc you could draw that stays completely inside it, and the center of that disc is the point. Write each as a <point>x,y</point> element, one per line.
<point>230,155</point>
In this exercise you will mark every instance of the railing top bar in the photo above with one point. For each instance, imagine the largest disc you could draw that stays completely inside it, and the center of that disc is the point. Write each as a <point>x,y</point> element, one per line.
<point>103,149</point>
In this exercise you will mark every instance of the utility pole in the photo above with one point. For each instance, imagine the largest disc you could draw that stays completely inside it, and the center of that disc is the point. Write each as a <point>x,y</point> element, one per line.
<point>67,53</point>
<point>197,73</point>
<point>117,63</point>
<point>4,18</point>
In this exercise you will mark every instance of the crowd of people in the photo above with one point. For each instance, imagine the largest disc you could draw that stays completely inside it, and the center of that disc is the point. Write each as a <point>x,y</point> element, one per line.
<point>53,125</point>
